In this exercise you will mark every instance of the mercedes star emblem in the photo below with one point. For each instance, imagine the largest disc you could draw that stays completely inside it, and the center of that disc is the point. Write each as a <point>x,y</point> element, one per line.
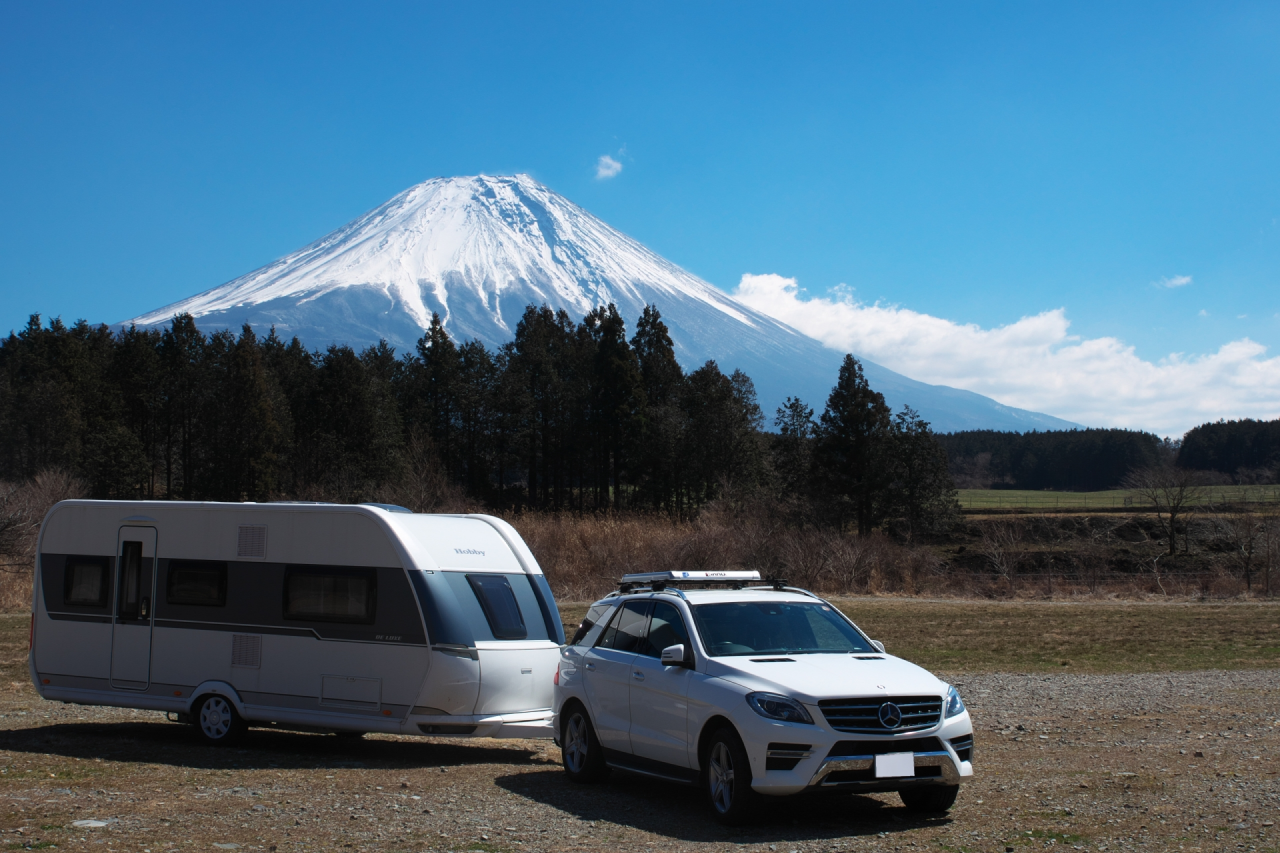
<point>890,715</point>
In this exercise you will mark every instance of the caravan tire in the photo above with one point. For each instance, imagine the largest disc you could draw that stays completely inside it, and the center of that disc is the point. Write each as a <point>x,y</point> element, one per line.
<point>217,721</point>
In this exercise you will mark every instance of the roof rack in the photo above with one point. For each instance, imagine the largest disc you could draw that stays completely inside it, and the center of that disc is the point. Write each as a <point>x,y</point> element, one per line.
<point>658,581</point>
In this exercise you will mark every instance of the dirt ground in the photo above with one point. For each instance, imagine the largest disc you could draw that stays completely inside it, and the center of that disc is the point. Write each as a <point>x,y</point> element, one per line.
<point>1183,760</point>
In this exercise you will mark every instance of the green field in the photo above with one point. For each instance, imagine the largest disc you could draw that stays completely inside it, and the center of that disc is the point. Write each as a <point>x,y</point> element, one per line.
<point>1112,499</point>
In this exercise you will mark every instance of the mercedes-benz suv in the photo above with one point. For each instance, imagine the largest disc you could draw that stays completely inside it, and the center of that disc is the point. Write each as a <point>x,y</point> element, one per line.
<point>750,689</point>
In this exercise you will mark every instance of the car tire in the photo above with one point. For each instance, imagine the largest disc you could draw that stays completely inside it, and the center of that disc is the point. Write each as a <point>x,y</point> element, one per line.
<point>580,749</point>
<point>726,778</point>
<point>933,799</point>
<point>217,720</point>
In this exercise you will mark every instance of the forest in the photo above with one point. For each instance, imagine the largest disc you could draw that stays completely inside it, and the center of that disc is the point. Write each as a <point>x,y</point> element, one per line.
<point>568,416</point>
<point>1083,460</point>
<point>1247,450</point>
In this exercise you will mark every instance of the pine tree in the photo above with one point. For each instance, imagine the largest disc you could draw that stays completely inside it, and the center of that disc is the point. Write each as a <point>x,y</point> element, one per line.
<point>924,495</point>
<point>851,453</point>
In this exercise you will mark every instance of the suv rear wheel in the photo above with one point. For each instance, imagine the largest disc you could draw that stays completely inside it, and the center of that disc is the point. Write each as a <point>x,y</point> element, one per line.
<point>727,778</point>
<point>580,749</point>
<point>932,799</point>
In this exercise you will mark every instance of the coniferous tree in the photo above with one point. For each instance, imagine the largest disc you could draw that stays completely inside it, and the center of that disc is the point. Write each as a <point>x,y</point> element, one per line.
<point>850,455</point>
<point>618,401</point>
<point>664,421</point>
<point>923,493</point>
<point>793,447</point>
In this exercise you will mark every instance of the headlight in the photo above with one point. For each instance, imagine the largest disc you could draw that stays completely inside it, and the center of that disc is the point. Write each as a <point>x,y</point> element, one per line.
<point>776,707</point>
<point>955,705</point>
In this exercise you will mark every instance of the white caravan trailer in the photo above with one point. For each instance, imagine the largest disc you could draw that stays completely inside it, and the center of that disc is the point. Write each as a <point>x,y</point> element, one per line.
<point>321,617</point>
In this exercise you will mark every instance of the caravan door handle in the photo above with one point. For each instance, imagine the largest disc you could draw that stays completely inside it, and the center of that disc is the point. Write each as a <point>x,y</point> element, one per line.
<point>638,675</point>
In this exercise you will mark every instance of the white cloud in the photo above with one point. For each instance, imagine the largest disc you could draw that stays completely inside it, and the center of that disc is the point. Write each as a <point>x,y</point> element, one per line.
<point>1171,283</point>
<point>1035,363</point>
<point>607,167</point>
<point>1204,313</point>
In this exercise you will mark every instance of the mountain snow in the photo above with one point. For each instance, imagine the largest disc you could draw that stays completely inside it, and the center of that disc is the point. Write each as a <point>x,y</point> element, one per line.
<point>477,250</point>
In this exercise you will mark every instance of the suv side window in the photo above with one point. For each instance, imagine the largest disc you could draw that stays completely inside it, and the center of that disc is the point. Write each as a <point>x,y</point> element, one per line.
<point>593,617</point>
<point>627,628</point>
<point>666,628</point>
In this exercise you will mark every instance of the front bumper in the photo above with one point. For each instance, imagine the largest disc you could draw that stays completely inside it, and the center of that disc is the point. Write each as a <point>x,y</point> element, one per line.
<point>791,758</point>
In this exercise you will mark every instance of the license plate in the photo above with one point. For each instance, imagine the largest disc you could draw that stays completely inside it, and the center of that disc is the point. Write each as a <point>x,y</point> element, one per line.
<point>895,764</point>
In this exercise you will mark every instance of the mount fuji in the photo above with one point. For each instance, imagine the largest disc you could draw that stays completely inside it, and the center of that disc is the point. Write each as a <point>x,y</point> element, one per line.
<point>478,250</point>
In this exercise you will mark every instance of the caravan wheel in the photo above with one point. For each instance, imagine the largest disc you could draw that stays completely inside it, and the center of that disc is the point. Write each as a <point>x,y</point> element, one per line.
<point>217,721</point>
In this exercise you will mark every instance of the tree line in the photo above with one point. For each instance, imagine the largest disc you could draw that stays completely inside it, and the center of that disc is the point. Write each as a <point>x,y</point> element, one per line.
<point>1084,460</point>
<point>1247,450</point>
<point>568,416</point>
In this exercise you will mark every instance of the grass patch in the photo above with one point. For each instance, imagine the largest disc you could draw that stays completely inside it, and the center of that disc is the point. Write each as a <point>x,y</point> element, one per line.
<point>1094,637</point>
<point>1111,499</point>
<point>968,636</point>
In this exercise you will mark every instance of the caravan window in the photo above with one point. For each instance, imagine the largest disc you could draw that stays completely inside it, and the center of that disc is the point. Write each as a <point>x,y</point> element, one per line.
<point>198,582</point>
<point>498,601</point>
<point>86,581</point>
<point>329,594</point>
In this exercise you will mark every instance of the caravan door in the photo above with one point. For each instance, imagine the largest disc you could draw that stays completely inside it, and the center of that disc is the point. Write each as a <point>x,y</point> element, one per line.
<point>131,613</point>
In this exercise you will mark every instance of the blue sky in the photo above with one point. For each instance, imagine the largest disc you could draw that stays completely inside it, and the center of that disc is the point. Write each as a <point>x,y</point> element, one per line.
<point>972,163</point>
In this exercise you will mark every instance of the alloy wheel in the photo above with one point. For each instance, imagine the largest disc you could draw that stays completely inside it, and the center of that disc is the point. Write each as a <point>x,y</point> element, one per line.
<point>575,743</point>
<point>720,777</point>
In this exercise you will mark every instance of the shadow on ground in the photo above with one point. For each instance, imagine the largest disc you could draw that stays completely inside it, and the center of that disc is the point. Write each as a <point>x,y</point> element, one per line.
<point>178,745</point>
<point>679,812</point>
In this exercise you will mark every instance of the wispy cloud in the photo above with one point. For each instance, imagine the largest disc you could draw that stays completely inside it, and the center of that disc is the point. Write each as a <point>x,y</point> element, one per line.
<point>607,167</point>
<point>1173,281</point>
<point>1036,363</point>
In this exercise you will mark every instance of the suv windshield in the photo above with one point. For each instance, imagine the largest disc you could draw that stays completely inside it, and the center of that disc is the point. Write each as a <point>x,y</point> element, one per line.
<point>775,627</point>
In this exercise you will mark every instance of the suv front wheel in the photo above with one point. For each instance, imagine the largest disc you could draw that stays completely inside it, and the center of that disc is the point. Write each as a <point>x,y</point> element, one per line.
<point>727,778</point>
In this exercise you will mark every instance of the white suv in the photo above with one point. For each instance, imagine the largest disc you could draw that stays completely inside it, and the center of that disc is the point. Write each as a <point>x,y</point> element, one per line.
<point>752,689</point>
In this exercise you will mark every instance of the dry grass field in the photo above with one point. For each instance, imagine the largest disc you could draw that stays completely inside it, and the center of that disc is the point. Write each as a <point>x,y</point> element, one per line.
<point>1041,637</point>
<point>1161,732</point>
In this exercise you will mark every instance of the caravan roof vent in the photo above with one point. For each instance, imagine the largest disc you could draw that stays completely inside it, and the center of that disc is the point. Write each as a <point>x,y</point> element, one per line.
<point>252,542</point>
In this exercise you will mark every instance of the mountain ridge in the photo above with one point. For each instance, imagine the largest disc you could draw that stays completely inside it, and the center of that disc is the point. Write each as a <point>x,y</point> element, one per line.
<point>478,249</point>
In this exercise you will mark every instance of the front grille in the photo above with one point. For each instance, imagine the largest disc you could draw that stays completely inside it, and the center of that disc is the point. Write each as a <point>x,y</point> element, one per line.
<point>964,747</point>
<point>862,716</point>
<point>846,748</point>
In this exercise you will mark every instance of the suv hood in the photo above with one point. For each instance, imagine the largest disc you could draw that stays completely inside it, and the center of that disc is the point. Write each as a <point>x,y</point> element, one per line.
<point>829,676</point>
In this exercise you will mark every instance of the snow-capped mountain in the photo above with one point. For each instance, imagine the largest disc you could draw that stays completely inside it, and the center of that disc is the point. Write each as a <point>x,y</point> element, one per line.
<point>477,250</point>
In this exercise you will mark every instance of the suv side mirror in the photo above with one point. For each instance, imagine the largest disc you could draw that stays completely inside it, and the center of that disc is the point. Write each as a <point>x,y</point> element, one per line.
<point>674,656</point>
<point>879,645</point>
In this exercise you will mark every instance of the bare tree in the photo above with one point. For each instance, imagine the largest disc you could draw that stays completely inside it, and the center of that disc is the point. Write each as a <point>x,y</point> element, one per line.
<point>23,507</point>
<point>1269,550</point>
<point>1171,491</point>
<point>1241,529</point>
<point>1002,546</point>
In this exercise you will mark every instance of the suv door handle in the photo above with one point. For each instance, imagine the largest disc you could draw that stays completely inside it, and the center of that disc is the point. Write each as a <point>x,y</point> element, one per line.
<point>639,676</point>
<point>588,666</point>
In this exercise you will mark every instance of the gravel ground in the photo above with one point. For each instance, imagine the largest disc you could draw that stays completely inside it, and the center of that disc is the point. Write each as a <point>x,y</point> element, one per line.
<point>1180,761</point>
